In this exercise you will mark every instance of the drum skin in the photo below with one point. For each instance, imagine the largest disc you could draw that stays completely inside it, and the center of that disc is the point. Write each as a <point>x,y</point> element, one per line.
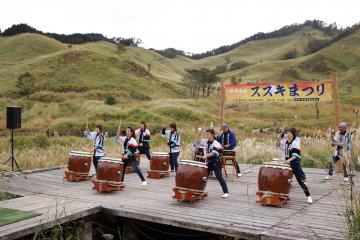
<point>160,162</point>
<point>79,163</point>
<point>191,177</point>
<point>109,171</point>
<point>274,179</point>
<point>229,153</point>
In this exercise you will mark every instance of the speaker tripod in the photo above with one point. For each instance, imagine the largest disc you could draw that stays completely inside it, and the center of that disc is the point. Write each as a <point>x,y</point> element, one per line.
<point>14,164</point>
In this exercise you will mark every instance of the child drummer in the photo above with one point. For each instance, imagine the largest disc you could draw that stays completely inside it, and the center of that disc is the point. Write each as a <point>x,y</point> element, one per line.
<point>98,138</point>
<point>212,158</point>
<point>293,157</point>
<point>129,156</point>
<point>173,138</point>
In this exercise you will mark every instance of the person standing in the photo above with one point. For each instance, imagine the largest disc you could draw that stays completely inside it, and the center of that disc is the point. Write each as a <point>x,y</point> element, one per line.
<point>173,141</point>
<point>129,155</point>
<point>212,158</point>
<point>98,147</point>
<point>144,139</point>
<point>293,158</point>
<point>228,141</point>
<point>341,140</point>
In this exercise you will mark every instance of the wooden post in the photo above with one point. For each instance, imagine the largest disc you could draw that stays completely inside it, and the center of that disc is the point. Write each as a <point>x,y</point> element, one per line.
<point>335,97</point>
<point>222,103</point>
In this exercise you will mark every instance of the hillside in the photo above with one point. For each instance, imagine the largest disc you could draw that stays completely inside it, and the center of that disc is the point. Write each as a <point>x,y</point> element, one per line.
<point>76,80</point>
<point>266,50</point>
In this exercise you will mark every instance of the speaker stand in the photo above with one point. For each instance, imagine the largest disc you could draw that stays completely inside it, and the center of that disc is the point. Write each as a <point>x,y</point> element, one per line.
<point>14,164</point>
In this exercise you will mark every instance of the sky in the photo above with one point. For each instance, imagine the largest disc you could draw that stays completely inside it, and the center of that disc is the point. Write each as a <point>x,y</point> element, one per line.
<point>191,25</point>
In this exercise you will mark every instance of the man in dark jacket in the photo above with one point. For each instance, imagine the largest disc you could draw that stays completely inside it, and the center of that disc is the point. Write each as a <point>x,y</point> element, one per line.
<point>228,141</point>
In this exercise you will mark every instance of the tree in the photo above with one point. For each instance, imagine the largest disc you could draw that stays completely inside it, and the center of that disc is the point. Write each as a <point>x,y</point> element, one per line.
<point>149,66</point>
<point>27,84</point>
<point>291,54</point>
<point>200,80</point>
<point>220,69</point>
<point>317,110</point>
<point>227,60</point>
<point>120,48</point>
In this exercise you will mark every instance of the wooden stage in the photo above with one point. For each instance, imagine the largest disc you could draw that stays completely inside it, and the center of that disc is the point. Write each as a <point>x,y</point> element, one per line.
<point>240,216</point>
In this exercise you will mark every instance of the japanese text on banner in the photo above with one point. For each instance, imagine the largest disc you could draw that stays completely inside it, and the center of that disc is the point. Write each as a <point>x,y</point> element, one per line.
<point>279,92</point>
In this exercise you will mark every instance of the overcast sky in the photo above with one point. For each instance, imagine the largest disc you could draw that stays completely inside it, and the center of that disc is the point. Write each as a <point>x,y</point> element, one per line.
<point>191,25</point>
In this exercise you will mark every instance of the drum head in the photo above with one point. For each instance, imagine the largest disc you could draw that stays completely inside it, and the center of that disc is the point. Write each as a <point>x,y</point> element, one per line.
<point>108,159</point>
<point>79,153</point>
<point>277,165</point>
<point>160,153</point>
<point>193,163</point>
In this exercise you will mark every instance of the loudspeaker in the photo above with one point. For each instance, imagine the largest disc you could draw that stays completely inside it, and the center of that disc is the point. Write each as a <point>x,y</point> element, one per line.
<point>13,117</point>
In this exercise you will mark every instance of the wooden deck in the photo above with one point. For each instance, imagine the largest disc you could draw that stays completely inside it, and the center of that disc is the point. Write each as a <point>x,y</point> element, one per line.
<point>239,215</point>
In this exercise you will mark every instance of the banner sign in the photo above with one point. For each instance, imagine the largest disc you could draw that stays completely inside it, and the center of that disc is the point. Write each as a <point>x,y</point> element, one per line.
<point>279,92</point>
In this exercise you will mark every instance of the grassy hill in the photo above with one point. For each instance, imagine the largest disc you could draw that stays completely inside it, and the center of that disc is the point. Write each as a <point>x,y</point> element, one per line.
<point>76,80</point>
<point>266,50</point>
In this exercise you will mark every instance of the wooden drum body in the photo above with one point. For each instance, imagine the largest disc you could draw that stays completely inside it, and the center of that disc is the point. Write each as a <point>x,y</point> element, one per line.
<point>78,166</point>
<point>160,161</point>
<point>109,175</point>
<point>159,165</point>
<point>274,183</point>
<point>191,179</point>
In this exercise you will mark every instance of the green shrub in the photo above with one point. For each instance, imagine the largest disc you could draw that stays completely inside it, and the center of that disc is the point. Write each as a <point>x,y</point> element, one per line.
<point>291,54</point>
<point>238,65</point>
<point>41,141</point>
<point>179,114</point>
<point>110,100</point>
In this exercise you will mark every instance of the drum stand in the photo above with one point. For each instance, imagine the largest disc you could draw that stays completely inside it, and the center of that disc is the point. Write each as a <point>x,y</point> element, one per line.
<point>155,174</point>
<point>224,162</point>
<point>107,186</point>
<point>272,199</point>
<point>189,195</point>
<point>75,176</point>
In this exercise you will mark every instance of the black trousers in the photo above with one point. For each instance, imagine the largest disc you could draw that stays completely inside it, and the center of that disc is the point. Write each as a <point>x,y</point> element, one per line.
<point>215,166</point>
<point>237,167</point>
<point>300,175</point>
<point>334,161</point>
<point>146,151</point>
<point>132,161</point>
<point>174,160</point>
<point>96,161</point>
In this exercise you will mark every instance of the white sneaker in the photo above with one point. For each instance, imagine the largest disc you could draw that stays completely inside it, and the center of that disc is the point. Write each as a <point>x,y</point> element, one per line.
<point>309,199</point>
<point>239,174</point>
<point>144,183</point>
<point>225,195</point>
<point>327,177</point>
<point>346,179</point>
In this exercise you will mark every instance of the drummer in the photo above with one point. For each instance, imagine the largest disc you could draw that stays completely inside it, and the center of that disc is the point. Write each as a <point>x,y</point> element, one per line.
<point>143,139</point>
<point>212,158</point>
<point>129,156</point>
<point>98,138</point>
<point>293,157</point>
<point>227,139</point>
<point>173,138</point>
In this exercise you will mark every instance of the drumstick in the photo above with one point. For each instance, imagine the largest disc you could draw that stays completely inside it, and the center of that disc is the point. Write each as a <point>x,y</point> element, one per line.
<point>201,130</point>
<point>118,130</point>
<point>87,124</point>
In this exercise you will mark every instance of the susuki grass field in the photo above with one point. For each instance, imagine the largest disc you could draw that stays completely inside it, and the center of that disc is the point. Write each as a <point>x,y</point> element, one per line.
<point>40,151</point>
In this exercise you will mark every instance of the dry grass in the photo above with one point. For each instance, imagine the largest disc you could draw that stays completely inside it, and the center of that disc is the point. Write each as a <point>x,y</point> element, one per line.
<point>40,152</point>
